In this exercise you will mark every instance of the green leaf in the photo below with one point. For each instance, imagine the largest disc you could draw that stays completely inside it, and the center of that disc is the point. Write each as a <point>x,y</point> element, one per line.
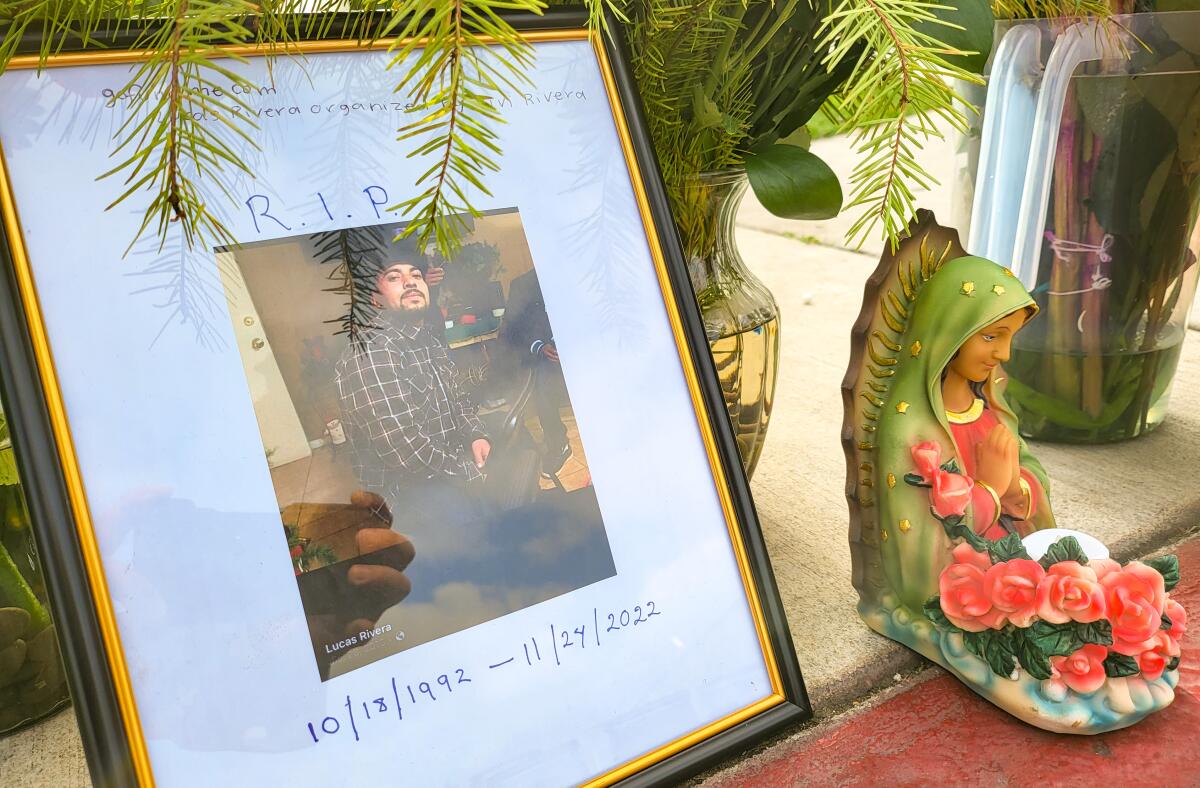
<point>1029,653</point>
<point>794,183</point>
<point>1166,621</point>
<point>1118,665</point>
<point>1007,548</point>
<point>993,647</point>
<point>916,479</point>
<point>951,466</point>
<point>933,612</point>
<point>1065,549</point>
<point>1168,567</point>
<point>955,528</point>
<point>1055,640</point>
<point>704,110</point>
<point>1097,632</point>
<point>1173,664</point>
<point>972,33</point>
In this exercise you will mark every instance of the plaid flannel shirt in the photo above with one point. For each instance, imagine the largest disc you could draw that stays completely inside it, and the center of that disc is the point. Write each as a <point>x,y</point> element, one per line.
<point>405,415</point>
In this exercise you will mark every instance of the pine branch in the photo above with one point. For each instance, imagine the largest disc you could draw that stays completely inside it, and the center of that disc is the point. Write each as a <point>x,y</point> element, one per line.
<point>453,79</point>
<point>355,254</point>
<point>169,149</point>
<point>898,95</point>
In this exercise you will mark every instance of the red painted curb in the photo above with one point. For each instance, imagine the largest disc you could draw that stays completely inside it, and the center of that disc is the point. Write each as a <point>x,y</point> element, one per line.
<point>941,733</point>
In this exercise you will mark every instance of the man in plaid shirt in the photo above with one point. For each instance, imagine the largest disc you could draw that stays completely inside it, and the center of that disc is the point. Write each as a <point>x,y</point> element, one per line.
<point>416,438</point>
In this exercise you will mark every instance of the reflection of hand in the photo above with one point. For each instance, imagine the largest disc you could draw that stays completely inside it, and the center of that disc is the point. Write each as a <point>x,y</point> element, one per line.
<point>383,585</point>
<point>550,352</point>
<point>994,460</point>
<point>480,448</point>
<point>434,276</point>
<point>386,581</point>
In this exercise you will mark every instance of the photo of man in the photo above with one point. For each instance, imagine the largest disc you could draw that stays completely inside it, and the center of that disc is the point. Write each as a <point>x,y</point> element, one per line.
<point>428,465</point>
<point>415,435</point>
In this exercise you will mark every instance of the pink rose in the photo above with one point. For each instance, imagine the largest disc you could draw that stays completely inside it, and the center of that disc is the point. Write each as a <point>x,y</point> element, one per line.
<point>1083,671</point>
<point>1103,566</point>
<point>1153,661</point>
<point>950,493</point>
<point>1069,592</point>
<point>1178,617</point>
<point>1012,587</point>
<point>964,597</point>
<point>965,554</point>
<point>1135,597</point>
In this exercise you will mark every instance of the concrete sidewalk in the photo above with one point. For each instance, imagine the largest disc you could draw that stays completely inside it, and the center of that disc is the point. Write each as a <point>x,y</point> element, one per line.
<point>935,730</point>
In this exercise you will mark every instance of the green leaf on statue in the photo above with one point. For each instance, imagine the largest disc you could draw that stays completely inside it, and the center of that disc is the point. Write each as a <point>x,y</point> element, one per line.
<point>1055,640</point>
<point>994,648</point>
<point>1173,664</point>
<point>793,183</point>
<point>955,528</point>
<point>1006,549</point>
<point>915,479</point>
<point>933,612</point>
<point>1098,633</point>
<point>1030,655</point>
<point>1166,622</point>
<point>1118,665</point>
<point>972,31</point>
<point>1065,549</point>
<point>951,466</point>
<point>1168,567</point>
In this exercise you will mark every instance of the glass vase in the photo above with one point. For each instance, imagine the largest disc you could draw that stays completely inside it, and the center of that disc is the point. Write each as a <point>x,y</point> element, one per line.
<point>741,318</point>
<point>32,681</point>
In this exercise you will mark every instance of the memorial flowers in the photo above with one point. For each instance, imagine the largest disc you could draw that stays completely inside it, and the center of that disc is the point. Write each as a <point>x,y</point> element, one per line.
<point>1063,619</point>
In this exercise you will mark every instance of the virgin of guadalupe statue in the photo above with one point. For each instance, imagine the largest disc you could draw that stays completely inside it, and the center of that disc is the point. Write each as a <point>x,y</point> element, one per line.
<point>952,534</point>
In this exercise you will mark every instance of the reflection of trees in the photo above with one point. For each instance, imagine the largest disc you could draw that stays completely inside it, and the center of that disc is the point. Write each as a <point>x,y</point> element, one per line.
<point>606,235</point>
<point>343,146</point>
<point>185,284</point>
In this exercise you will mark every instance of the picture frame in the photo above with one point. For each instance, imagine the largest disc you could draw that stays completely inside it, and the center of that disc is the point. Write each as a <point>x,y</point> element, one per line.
<point>81,474</point>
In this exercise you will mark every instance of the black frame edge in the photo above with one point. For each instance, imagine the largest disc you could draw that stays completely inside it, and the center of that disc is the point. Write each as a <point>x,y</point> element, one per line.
<point>85,658</point>
<point>796,708</point>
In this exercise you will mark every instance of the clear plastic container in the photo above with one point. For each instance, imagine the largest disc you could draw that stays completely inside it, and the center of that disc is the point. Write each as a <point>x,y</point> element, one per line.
<point>1104,231</point>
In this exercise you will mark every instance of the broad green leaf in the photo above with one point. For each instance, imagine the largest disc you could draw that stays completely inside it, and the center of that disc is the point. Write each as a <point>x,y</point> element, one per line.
<point>1054,640</point>
<point>994,648</point>
<point>1118,665</point>
<point>794,183</point>
<point>1065,549</point>
<point>971,32</point>
<point>933,612</point>
<point>1167,566</point>
<point>1007,548</point>
<point>1035,662</point>
<point>1097,632</point>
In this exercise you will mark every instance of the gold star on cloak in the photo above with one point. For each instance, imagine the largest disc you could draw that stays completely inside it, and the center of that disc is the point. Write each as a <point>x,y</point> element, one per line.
<point>901,407</point>
<point>968,288</point>
<point>998,289</point>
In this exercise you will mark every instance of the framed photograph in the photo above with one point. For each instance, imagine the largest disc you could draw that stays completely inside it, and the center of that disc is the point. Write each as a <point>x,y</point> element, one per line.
<point>322,506</point>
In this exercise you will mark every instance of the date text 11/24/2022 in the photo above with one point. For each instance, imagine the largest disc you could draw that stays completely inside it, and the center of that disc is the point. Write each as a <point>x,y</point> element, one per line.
<point>534,653</point>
